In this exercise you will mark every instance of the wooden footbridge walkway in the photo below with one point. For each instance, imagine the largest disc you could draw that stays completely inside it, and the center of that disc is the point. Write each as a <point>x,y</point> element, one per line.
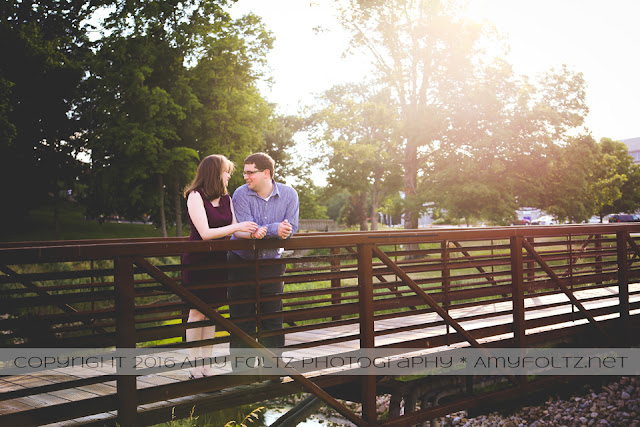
<point>427,290</point>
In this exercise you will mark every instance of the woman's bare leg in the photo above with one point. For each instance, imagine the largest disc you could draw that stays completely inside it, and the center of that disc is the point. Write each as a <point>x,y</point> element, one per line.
<point>194,334</point>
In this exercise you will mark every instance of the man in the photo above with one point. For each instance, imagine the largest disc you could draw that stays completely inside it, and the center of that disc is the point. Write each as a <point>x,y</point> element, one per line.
<point>274,207</point>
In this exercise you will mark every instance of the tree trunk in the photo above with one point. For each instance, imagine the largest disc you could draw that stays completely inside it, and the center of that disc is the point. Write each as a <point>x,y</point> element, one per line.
<point>56,211</point>
<point>410,181</point>
<point>362,211</point>
<point>375,198</point>
<point>163,219</point>
<point>177,198</point>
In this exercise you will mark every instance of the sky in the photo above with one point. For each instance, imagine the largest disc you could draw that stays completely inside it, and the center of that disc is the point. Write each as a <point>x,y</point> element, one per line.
<point>596,37</point>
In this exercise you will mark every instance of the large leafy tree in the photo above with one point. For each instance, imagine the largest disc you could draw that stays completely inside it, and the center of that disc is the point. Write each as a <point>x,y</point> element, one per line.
<point>456,99</point>
<point>171,83</point>
<point>280,144</point>
<point>44,47</point>
<point>563,184</point>
<point>511,148</point>
<point>356,132</point>
<point>134,125</point>
<point>232,119</point>
<point>424,55</point>
<point>616,186</point>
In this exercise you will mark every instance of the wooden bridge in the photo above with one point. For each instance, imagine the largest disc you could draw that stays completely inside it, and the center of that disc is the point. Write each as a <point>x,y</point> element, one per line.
<point>421,289</point>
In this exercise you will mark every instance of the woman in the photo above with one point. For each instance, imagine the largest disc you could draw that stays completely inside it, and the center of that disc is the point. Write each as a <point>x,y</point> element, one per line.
<point>211,216</point>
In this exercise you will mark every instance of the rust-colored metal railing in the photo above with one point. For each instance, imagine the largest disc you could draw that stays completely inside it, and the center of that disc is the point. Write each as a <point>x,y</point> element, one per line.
<point>362,289</point>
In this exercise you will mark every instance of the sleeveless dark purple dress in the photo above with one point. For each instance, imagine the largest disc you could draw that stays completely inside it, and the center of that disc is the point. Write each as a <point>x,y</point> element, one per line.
<point>218,217</point>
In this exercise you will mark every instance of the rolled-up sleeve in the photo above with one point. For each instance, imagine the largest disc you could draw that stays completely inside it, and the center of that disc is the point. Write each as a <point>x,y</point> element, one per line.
<point>284,206</point>
<point>293,212</point>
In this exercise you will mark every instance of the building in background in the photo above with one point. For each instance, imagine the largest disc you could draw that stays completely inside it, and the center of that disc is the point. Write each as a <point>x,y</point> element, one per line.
<point>633,144</point>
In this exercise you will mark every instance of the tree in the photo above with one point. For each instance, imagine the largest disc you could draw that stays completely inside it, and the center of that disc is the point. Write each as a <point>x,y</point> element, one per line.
<point>44,47</point>
<point>335,199</point>
<point>455,97</point>
<point>233,118</point>
<point>280,145</point>
<point>135,122</point>
<point>617,179</point>
<point>356,132</point>
<point>565,181</point>
<point>309,197</point>
<point>474,190</point>
<point>424,56</point>
<point>172,83</point>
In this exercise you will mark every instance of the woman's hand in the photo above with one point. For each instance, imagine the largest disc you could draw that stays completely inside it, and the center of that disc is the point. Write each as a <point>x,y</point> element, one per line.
<point>247,226</point>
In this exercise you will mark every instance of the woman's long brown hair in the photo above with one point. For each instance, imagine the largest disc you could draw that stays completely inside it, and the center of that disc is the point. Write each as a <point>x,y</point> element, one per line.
<point>209,177</point>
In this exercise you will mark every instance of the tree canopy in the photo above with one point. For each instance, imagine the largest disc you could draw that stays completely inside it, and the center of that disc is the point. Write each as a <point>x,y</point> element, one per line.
<point>44,47</point>
<point>461,106</point>
<point>125,108</point>
<point>356,132</point>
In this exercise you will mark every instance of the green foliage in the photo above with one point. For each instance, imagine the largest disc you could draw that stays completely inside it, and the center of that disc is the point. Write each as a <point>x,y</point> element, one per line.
<point>353,213</point>
<point>250,419</point>
<point>335,200</point>
<point>172,83</point>
<point>356,131</point>
<point>617,185</point>
<point>44,46</point>
<point>462,105</point>
<point>470,189</point>
<point>279,144</point>
<point>585,178</point>
<point>309,197</point>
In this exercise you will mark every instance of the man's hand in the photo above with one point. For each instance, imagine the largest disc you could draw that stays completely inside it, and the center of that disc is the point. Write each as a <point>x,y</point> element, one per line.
<point>259,233</point>
<point>284,229</point>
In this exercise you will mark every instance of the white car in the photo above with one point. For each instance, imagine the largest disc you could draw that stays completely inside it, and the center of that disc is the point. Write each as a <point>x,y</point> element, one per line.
<point>544,220</point>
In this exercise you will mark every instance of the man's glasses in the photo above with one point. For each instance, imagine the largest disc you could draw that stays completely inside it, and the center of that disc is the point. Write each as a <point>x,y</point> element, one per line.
<point>249,173</point>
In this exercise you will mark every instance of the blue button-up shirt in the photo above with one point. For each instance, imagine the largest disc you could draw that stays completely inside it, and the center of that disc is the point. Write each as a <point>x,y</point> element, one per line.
<point>282,204</point>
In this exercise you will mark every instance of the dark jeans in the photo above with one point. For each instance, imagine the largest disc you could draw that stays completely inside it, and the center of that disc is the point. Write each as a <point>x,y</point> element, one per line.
<point>249,291</point>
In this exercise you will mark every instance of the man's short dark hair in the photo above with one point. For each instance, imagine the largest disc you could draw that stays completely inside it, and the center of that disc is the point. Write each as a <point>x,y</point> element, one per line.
<point>263,161</point>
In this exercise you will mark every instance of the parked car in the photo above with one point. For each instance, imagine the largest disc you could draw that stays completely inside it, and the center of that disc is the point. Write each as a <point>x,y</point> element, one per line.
<point>544,220</point>
<point>624,218</point>
<point>522,221</point>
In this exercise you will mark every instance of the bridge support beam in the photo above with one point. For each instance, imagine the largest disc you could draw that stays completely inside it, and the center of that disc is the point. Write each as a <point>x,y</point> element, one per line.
<point>517,293</point>
<point>367,331</point>
<point>623,286</point>
<point>127,396</point>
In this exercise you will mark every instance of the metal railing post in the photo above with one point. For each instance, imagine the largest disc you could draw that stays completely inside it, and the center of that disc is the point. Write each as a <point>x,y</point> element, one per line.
<point>127,396</point>
<point>531,265</point>
<point>598,259</point>
<point>367,332</point>
<point>623,285</point>
<point>517,293</point>
<point>446,274</point>
<point>517,298</point>
<point>335,283</point>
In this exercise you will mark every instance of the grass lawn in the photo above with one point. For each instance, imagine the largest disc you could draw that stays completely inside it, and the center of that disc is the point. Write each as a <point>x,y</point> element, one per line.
<point>40,225</point>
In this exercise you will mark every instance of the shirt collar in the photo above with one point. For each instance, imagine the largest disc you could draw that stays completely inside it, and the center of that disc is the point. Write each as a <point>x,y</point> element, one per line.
<point>274,192</point>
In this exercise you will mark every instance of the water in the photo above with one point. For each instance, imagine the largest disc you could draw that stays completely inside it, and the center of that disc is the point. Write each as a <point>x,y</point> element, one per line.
<point>315,420</point>
<point>268,415</point>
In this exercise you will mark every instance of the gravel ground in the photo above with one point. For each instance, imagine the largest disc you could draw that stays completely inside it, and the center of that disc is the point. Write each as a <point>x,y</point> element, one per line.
<point>616,403</point>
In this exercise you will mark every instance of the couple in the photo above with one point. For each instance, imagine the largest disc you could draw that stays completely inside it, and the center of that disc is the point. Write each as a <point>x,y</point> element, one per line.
<point>260,209</point>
